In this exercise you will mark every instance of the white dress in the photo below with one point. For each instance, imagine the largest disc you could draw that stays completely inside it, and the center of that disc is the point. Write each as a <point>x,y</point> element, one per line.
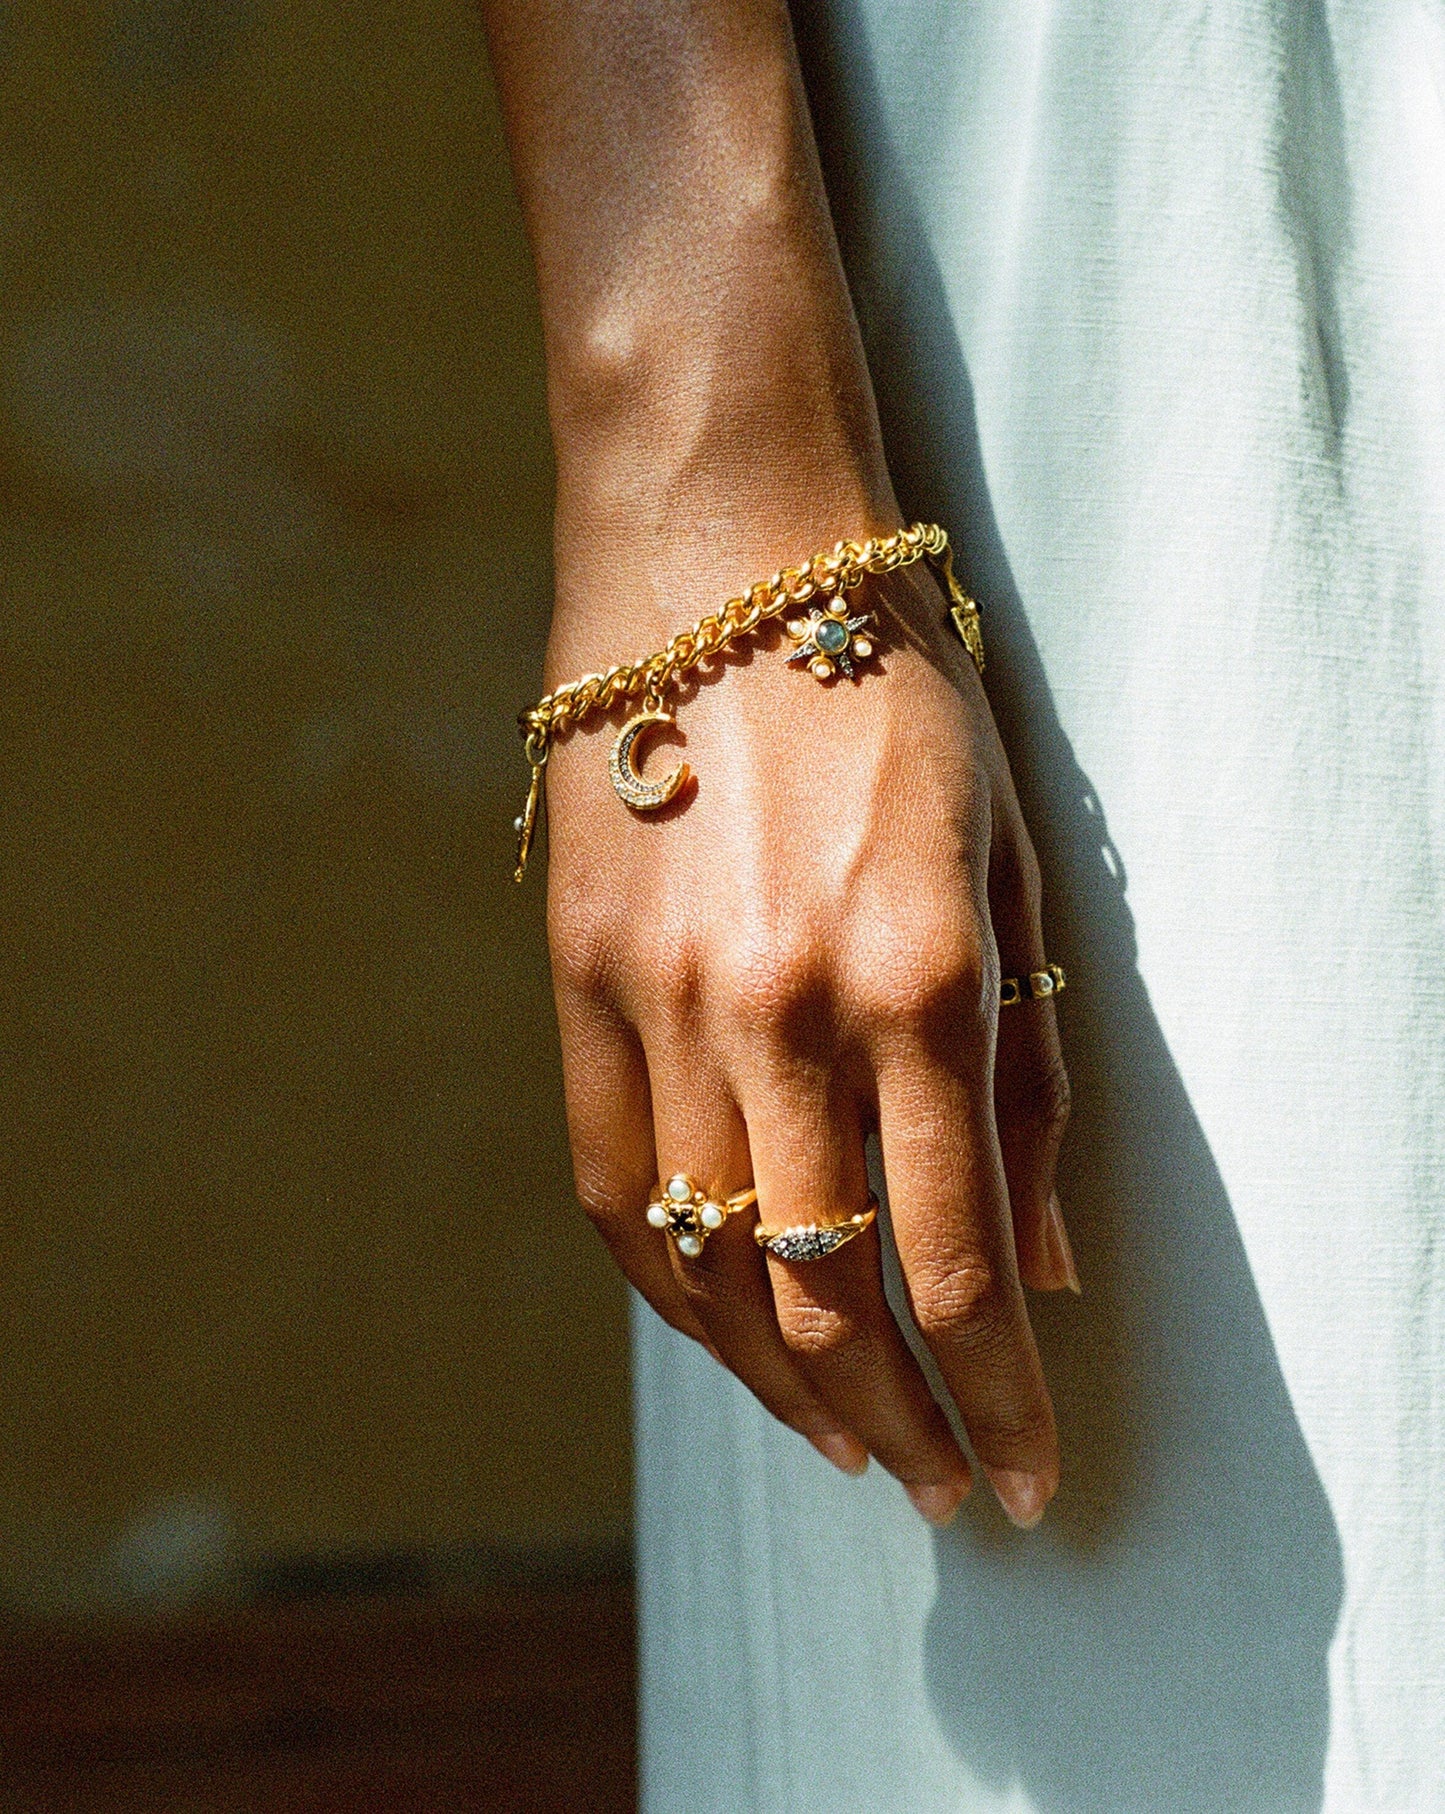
<point>1154,292</point>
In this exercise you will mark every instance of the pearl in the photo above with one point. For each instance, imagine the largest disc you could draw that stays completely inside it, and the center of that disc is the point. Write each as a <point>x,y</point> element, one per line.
<point>517,823</point>
<point>820,669</point>
<point>862,648</point>
<point>712,1216</point>
<point>690,1245</point>
<point>657,1215</point>
<point>679,1188</point>
<point>798,628</point>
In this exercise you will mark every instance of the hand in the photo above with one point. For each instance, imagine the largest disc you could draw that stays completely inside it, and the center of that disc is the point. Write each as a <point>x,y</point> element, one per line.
<point>807,949</point>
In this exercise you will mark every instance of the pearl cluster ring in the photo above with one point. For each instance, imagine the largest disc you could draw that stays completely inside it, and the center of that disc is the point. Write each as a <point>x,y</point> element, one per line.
<point>690,1214</point>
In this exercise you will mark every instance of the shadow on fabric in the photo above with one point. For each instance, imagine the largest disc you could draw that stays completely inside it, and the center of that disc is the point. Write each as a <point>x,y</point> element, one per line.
<point>1161,1644</point>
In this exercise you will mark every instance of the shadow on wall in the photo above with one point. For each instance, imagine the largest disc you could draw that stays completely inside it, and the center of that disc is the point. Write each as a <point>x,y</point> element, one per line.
<point>1161,1645</point>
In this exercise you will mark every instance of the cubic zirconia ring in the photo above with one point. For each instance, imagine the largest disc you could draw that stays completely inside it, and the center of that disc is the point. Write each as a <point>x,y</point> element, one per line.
<point>1038,986</point>
<point>689,1214</point>
<point>814,1240</point>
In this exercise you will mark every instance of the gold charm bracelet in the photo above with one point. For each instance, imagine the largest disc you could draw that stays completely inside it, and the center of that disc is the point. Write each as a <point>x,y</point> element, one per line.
<point>826,639</point>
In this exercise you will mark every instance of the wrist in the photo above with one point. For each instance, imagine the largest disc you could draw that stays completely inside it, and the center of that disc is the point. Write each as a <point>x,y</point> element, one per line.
<point>729,441</point>
<point>669,512</point>
<point>629,579</point>
<point>696,621</point>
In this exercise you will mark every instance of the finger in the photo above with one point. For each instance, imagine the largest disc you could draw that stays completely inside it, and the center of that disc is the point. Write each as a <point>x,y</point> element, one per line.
<point>949,1205</point>
<point>807,1142</point>
<point>1031,1086</point>
<point>699,1132</point>
<point>609,1119</point>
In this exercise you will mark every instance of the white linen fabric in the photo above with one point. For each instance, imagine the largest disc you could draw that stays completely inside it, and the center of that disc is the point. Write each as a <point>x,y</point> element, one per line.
<point>1155,299</point>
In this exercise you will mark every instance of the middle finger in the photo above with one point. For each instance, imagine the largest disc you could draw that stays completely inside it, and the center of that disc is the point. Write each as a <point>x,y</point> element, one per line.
<point>806,1135</point>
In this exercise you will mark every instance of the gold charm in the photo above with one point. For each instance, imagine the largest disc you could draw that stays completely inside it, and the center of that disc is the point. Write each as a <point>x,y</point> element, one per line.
<point>829,640</point>
<point>643,796</point>
<point>970,629</point>
<point>525,825</point>
<point>963,611</point>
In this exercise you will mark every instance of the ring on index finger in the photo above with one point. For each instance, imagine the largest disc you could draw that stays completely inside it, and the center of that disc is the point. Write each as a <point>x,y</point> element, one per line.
<point>689,1214</point>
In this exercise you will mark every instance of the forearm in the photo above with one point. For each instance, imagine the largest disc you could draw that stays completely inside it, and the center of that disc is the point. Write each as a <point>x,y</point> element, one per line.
<point>801,951</point>
<point>706,379</point>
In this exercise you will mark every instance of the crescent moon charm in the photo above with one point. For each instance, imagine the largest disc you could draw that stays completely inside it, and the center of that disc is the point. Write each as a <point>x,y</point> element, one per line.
<point>642,796</point>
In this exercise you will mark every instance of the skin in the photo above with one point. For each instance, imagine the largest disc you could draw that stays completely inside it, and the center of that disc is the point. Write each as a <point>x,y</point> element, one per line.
<point>807,946</point>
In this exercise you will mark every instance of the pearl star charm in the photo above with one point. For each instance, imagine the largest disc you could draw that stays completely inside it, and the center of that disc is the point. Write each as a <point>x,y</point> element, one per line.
<point>829,640</point>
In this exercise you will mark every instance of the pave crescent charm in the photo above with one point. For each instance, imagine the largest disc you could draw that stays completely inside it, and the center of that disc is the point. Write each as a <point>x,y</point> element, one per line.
<point>642,795</point>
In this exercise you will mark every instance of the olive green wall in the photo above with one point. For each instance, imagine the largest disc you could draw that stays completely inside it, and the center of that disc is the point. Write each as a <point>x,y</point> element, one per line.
<point>289,1255</point>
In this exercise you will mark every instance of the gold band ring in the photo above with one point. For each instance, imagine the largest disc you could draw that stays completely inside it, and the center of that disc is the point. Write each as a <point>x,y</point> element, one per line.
<point>814,1240</point>
<point>1038,986</point>
<point>689,1214</point>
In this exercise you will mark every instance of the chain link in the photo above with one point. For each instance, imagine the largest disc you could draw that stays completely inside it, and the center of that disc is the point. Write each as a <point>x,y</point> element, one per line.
<point>823,577</point>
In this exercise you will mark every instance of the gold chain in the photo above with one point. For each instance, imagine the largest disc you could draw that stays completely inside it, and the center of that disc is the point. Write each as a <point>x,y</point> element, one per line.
<point>823,577</point>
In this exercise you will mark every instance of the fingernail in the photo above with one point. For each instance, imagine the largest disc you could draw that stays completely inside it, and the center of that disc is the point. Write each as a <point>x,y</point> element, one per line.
<point>1060,1251</point>
<point>938,1501</point>
<point>1023,1496</point>
<point>844,1451</point>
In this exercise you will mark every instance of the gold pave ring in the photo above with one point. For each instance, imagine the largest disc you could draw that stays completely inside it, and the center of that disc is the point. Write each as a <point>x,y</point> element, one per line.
<point>1036,987</point>
<point>689,1214</point>
<point>814,1240</point>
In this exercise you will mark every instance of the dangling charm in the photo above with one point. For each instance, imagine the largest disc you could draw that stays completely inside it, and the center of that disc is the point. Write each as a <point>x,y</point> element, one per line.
<point>829,640</point>
<point>641,795</point>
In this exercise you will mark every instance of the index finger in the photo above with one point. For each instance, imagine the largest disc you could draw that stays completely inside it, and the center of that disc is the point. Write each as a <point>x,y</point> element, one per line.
<point>950,1213</point>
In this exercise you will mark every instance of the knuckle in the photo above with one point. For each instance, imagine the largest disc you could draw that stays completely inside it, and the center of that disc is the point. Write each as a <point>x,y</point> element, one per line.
<point>1018,871</point>
<point>585,948</point>
<point>1055,1095</point>
<point>1044,1098</point>
<point>771,984</point>
<point>602,1203</point>
<point>674,978</point>
<point>815,1332</point>
<point>1011,1432</point>
<point>967,1300</point>
<point>1031,878</point>
<point>716,1298</point>
<point>927,979</point>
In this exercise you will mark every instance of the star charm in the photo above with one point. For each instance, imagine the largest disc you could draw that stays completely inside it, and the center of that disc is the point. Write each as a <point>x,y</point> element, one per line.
<point>829,640</point>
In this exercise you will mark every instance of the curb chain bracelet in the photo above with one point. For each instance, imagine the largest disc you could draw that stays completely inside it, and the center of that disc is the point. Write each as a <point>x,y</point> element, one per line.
<point>825,638</point>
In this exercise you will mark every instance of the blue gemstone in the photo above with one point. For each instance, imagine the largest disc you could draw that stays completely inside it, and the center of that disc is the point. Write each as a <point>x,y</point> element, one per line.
<point>831,636</point>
